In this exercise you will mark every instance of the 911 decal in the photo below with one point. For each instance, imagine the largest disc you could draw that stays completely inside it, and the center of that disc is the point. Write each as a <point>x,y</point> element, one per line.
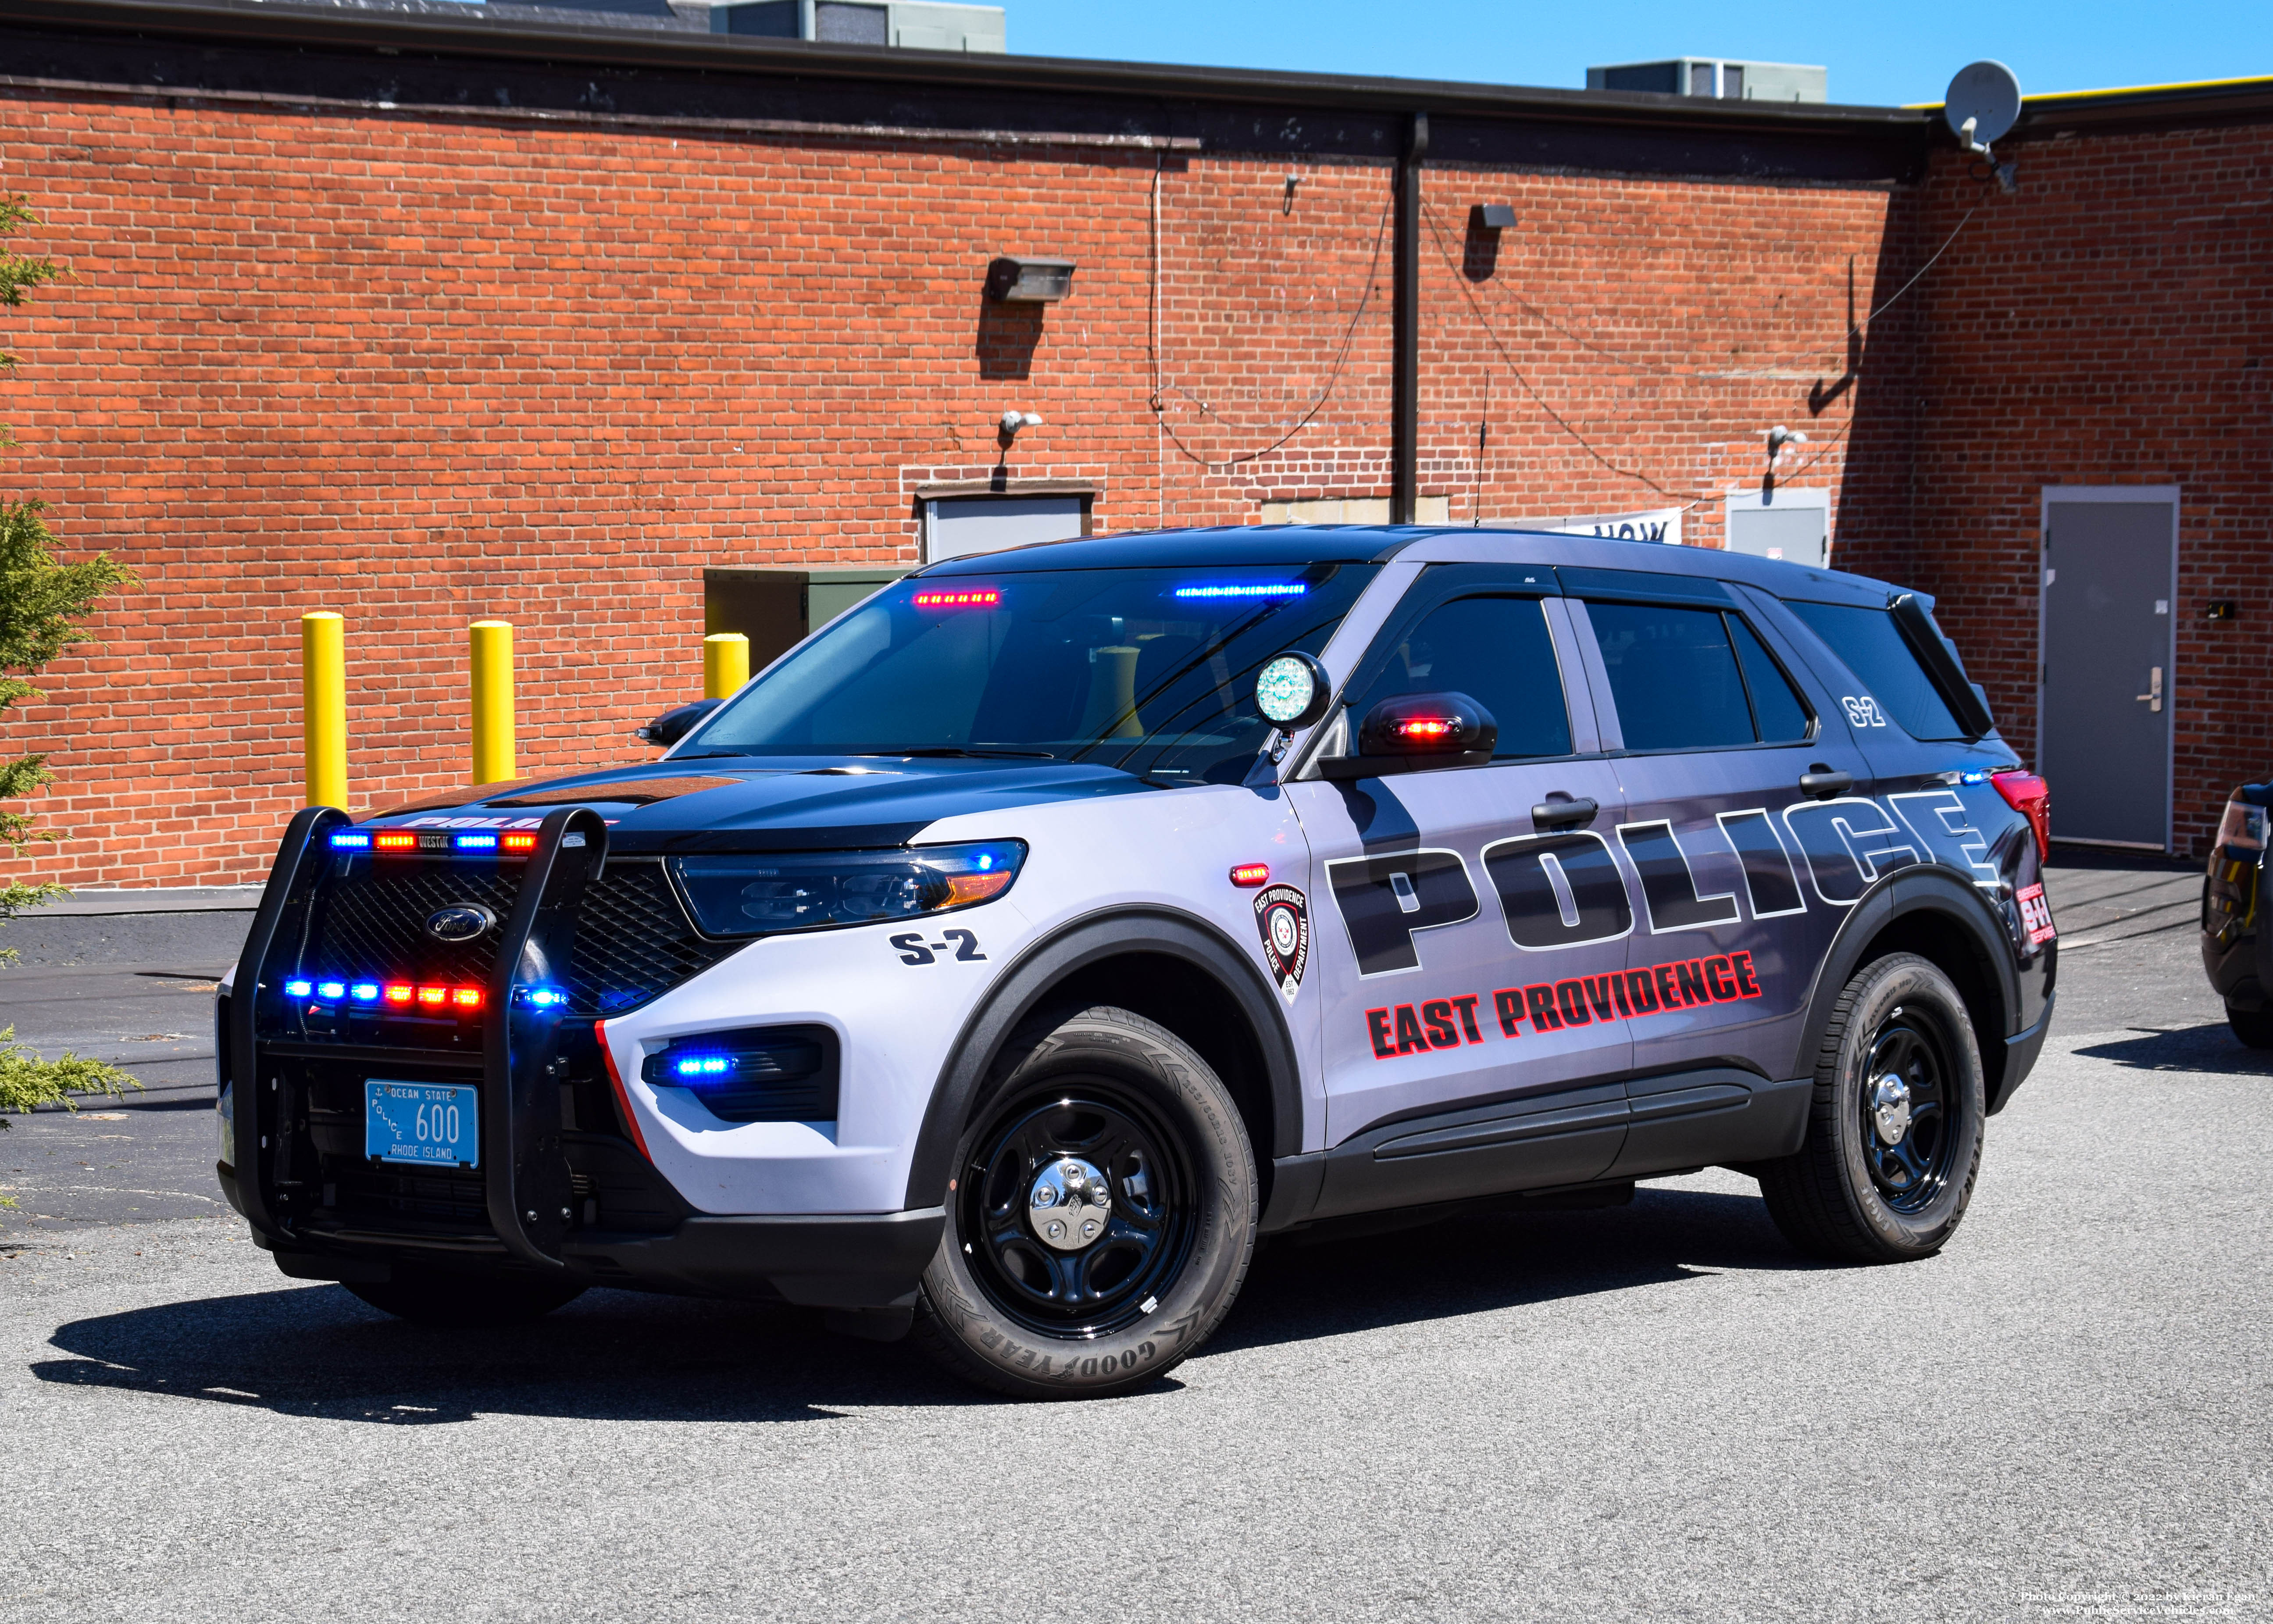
<point>1550,1006</point>
<point>2035,914</point>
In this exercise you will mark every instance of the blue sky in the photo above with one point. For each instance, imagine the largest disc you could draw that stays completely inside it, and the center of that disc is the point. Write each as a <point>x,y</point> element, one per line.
<point>1877,53</point>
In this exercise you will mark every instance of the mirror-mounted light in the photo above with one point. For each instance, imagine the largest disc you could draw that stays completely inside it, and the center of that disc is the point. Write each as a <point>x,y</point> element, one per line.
<point>676,723</point>
<point>1418,730</point>
<point>1292,690</point>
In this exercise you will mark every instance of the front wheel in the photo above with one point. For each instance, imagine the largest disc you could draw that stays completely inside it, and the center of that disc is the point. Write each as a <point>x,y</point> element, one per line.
<point>1100,1217</point>
<point>2254,1027</point>
<point>1893,1133</point>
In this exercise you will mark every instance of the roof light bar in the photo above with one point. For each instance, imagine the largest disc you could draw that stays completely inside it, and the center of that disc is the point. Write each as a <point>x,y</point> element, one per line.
<point>1261,589</point>
<point>976,598</point>
<point>475,843</point>
<point>351,840</point>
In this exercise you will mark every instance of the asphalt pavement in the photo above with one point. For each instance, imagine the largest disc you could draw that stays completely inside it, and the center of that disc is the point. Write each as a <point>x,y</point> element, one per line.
<point>1657,1412</point>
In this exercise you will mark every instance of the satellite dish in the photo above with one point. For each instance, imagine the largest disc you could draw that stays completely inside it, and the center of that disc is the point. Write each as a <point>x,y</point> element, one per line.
<point>1982,103</point>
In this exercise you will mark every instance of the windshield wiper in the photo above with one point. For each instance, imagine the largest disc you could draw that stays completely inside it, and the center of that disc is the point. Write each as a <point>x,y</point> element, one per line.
<point>953,751</point>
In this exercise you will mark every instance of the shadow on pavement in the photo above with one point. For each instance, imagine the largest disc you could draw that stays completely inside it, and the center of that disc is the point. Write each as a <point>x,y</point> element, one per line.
<point>621,1356</point>
<point>2210,1047</point>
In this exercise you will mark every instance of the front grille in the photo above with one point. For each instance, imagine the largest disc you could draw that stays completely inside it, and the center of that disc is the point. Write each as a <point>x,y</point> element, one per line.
<point>634,941</point>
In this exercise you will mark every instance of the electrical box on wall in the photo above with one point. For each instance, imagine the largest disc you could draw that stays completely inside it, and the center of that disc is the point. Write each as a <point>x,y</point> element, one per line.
<point>776,608</point>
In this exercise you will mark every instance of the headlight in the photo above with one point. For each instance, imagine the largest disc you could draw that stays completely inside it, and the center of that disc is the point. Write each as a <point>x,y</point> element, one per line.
<point>761,894</point>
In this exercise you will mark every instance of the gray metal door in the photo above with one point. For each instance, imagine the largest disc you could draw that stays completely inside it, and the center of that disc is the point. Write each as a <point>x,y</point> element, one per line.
<point>2104,728</point>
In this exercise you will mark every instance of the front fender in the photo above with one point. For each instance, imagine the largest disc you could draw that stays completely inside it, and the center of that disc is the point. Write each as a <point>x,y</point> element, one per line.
<point>1026,985</point>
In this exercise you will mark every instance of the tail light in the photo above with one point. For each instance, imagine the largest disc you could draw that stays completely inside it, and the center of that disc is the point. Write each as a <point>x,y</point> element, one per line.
<point>2032,798</point>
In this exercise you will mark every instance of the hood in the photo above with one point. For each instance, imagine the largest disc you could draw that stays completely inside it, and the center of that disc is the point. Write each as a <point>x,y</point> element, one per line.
<point>744,804</point>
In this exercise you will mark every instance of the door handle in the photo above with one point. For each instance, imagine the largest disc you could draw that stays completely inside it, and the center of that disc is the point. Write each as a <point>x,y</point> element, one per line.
<point>1825,781</point>
<point>2153,693</point>
<point>1564,814</point>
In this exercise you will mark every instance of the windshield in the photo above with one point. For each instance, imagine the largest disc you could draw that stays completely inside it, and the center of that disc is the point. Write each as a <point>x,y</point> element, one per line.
<point>1149,670</point>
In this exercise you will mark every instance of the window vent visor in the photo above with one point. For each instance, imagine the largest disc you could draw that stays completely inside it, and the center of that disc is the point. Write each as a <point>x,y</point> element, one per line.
<point>1939,662</point>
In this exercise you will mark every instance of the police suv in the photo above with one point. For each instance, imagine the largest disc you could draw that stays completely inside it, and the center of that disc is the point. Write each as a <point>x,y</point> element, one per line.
<point>1007,956</point>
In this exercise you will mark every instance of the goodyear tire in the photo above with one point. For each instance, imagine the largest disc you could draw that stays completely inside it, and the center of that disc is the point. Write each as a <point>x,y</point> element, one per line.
<point>1894,1134</point>
<point>1101,1217</point>
<point>2254,1027</point>
<point>466,1301</point>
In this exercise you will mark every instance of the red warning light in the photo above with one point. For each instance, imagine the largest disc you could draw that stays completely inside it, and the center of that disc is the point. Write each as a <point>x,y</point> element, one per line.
<point>1248,876</point>
<point>973,597</point>
<point>518,842</point>
<point>399,992</point>
<point>395,840</point>
<point>433,997</point>
<point>465,997</point>
<point>1429,727</point>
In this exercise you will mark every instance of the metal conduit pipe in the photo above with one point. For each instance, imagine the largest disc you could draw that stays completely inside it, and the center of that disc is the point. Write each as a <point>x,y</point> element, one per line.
<point>1404,328</point>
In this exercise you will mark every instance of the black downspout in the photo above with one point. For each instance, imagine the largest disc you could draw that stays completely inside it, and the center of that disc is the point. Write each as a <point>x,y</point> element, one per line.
<point>1405,324</point>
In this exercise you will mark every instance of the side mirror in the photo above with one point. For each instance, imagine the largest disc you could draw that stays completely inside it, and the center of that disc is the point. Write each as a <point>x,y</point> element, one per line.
<point>676,723</point>
<point>1291,691</point>
<point>1415,732</point>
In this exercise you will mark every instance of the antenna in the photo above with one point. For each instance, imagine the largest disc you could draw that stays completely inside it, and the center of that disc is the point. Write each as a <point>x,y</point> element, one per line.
<point>1982,103</point>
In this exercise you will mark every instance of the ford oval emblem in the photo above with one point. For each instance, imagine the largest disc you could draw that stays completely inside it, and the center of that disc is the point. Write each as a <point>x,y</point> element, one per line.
<point>462,923</point>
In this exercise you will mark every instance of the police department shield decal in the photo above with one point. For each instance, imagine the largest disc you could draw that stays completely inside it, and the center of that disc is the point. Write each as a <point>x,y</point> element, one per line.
<point>1284,918</point>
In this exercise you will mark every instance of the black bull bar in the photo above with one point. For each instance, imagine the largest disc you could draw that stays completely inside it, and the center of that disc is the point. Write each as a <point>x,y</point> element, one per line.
<point>861,1260</point>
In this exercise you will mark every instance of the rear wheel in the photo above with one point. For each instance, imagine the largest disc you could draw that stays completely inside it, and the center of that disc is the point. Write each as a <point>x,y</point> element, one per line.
<point>2254,1027</point>
<point>1893,1133</point>
<point>1101,1216</point>
<point>466,1301</point>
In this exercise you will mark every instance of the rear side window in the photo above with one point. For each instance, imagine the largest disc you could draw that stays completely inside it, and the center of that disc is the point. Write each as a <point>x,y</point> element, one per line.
<point>1871,646</point>
<point>1693,680</point>
<point>1497,651</point>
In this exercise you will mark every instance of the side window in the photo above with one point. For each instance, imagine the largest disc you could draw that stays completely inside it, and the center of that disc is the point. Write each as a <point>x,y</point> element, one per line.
<point>1496,650</point>
<point>1673,675</point>
<point>1867,642</point>
<point>1781,714</point>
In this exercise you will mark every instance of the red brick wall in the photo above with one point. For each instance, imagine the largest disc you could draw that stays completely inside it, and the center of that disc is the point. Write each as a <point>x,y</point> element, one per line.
<point>2109,322</point>
<point>425,371</point>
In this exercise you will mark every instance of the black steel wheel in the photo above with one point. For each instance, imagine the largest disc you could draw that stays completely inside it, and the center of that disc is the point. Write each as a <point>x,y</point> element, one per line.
<point>1101,1214</point>
<point>1076,1208</point>
<point>1893,1133</point>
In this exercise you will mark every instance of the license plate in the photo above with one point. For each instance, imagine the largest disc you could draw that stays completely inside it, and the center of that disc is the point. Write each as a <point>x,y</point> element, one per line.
<point>431,1124</point>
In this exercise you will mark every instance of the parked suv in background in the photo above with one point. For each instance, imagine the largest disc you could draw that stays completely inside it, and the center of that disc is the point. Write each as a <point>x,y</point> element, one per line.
<point>1008,956</point>
<point>2237,948</point>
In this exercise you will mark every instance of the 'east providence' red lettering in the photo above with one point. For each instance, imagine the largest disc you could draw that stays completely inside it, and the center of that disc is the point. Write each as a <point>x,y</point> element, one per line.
<point>1467,1009</point>
<point>1441,1032</point>
<point>1376,1028</point>
<point>1540,999</point>
<point>1409,1038</point>
<point>1507,1003</point>
<point>1748,985</point>
<point>1718,981</point>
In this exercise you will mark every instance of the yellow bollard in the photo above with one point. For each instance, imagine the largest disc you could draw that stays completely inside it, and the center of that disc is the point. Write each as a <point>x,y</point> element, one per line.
<point>492,672</point>
<point>725,664</point>
<point>323,707</point>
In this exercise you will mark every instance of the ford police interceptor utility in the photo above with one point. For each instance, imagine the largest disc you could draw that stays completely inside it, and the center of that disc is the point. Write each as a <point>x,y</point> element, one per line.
<point>1009,955</point>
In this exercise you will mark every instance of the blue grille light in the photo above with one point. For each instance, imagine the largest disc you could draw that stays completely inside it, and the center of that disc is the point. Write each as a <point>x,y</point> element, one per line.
<point>1265,589</point>
<point>1973,777</point>
<point>351,840</point>
<point>544,998</point>
<point>299,990</point>
<point>332,990</point>
<point>365,992</point>
<point>703,1065</point>
<point>475,843</point>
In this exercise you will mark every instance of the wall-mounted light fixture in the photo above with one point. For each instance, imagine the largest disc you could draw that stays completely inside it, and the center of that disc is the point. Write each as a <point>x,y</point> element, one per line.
<point>1780,437</point>
<point>1029,281</point>
<point>1491,217</point>
<point>1013,421</point>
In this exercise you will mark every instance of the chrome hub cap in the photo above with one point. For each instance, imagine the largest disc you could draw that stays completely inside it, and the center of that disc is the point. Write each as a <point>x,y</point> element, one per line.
<point>1890,1109</point>
<point>1068,1204</point>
